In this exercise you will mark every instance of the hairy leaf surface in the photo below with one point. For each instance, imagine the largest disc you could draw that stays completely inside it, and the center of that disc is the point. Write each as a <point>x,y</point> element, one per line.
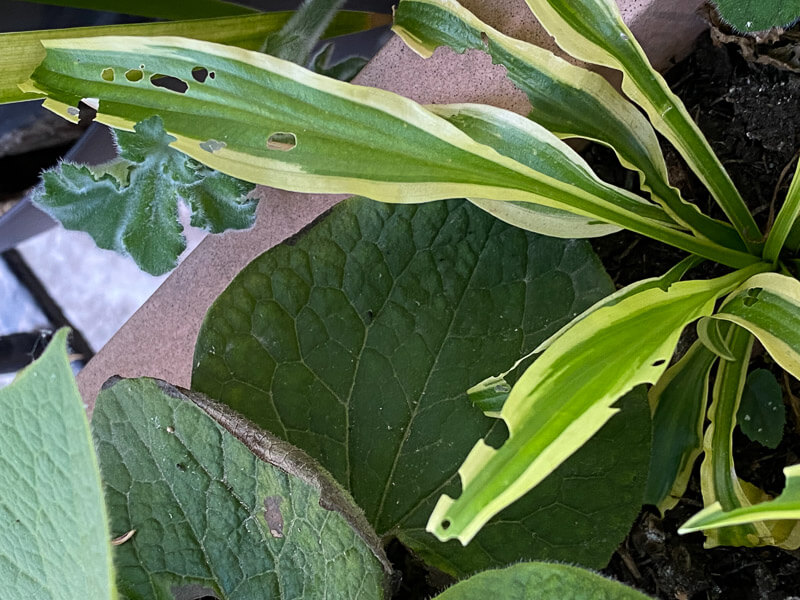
<point>221,507</point>
<point>358,341</point>
<point>540,581</point>
<point>54,537</point>
<point>756,15</point>
<point>562,400</point>
<point>138,214</point>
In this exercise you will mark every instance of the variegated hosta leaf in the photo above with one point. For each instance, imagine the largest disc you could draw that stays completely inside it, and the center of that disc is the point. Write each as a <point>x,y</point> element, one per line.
<point>567,395</point>
<point>268,121</point>
<point>678,402</point>
<point>786,229</point>
<point>718,480</point>
<point>21,51</point>
<point>593,31</point>
<point>768,305</point>
<point>490,394</point>
<point>784,507</point>
<point>709,331</point>
<point>567,100</point>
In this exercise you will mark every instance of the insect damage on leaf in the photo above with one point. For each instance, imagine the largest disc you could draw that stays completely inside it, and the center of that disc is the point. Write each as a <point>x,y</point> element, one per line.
<point>130,204</point>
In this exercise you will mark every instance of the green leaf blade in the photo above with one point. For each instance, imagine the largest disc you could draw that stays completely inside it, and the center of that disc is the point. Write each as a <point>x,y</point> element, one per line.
<point>358,342</point>
<point>678,401</point>
<point>768,305</point>
<point>418,157</point>
<point>750,15</point>
<point>567,394</point>
<point>54,536</point>
<point>762,414</point>
<point>593,31</point>
<point>222,506</point>
<point>567,100</point>
<point>529,581</point>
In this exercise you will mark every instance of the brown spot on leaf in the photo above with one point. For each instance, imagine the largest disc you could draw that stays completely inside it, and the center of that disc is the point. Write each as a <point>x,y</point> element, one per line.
<point>273,515</point>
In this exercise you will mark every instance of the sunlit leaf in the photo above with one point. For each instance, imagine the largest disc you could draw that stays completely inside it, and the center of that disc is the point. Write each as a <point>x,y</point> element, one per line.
<point>54,536</point>
<point>222,508</point>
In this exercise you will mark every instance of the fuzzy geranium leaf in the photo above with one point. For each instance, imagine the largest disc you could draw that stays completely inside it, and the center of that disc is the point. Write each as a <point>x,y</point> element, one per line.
<point>130,205</point>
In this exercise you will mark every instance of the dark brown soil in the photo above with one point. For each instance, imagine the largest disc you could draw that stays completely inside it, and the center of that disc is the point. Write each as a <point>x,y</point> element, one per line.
<point>750,113</point>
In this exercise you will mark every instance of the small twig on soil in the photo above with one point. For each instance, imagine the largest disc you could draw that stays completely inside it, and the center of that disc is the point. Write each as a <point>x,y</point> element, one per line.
<point>782,176</point>
<point>626,557</point>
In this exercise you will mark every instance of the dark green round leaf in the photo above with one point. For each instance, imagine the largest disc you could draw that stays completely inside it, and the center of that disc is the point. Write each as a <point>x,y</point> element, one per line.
<point>358,341</point>
<point>762,415</point>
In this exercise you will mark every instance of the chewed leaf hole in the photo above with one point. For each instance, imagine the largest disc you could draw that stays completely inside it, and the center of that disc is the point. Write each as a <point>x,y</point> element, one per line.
<point>445,524</point>
<point>134,74</point>
<point>200,74</point>
<point>212,145</point>
<point>282,141</point>
<point>169,82</point>
<point>107,74</point>
<point>659,362</point>
<point>752,296</point>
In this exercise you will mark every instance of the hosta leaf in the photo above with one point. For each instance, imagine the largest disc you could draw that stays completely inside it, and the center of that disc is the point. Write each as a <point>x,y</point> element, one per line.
<point>139,215</point>
<point>562,400</point>
<point>762,415</point>
<point>786,229</point>
<point>753,15</point>
<point>267,114</point>
<point>222,509</point>
<point>568,100</point>
<point>768,305</point>
<point>21,51</point>
<point>593,30</point>
<point>490,394</point>
<point>710,333</point>
<point>678,402</point>
<point>540,581</point>
<point>784,507</point>
<point>357,342</point>
<point>718,480</point>
<point>54,537</point>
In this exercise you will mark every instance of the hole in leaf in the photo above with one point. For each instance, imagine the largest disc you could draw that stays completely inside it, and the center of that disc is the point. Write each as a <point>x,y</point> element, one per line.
<point>169,82</point>
<point>659,362</point>
<point>134,74</point>
<point>107,74</point>
<point>200,74</point>
<point>212,75</point>
<point>282,141</point>
<point>446,524</point>
<point>752,296</point>
<point>212,145</point>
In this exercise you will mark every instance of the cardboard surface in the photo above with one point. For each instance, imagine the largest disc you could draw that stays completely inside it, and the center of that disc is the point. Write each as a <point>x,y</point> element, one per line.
<point>158,341</point>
